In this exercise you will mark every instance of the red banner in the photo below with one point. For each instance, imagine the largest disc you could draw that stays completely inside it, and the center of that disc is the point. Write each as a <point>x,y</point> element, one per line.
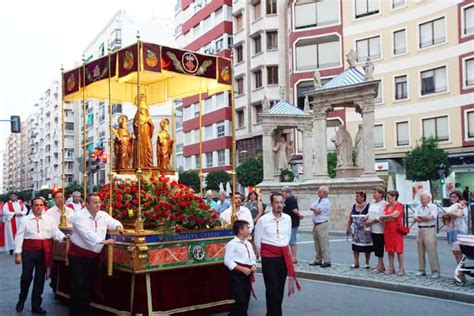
<point>188,62</point>
<point>151,57</point>
<point>99,69</point>
<point>71,81</point>
<point>224,73</point>
<point>128,60</point>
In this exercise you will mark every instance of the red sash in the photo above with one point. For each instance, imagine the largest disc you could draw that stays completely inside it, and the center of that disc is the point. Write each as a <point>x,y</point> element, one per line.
<point>252,277</point>
<point>81,252</point>
<point>45,245</point>
<point>13,221</point>
<point>270,251</point>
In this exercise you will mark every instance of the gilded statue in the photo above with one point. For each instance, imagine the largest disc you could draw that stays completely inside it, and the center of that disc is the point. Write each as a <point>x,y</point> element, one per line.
<point>123,144</point>
<point>164,146</point>
<point>143,130</point>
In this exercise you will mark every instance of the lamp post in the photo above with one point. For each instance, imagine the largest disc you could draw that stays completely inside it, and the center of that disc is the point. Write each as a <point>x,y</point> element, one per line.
<point>442,179</point>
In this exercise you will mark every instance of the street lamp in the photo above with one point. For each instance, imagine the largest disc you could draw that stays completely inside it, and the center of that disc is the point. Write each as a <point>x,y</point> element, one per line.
<point>442,178</point>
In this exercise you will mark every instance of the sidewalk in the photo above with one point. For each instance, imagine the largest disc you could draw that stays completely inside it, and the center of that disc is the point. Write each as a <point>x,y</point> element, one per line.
<point>443,288</point>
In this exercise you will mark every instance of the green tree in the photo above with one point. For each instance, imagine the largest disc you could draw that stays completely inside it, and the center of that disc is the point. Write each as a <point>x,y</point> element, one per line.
<point>250,172</point>
<point>190,178</point>
<point>332,163</point>
<point>422,162</point>
<point>74,187</point>
<point>215,177</point>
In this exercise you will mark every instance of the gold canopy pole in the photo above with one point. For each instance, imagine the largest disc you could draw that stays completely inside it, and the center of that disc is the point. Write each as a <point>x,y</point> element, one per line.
<point>84,133</point>
<point>110,248</point>
<point>200,140</point>
<point>233,156</point>
<point>139,221</point>
<point>62,219</point>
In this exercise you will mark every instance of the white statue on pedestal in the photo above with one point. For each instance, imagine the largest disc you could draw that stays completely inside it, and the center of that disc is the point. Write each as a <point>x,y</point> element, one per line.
<point>343,143</point>
<point>282,151</point>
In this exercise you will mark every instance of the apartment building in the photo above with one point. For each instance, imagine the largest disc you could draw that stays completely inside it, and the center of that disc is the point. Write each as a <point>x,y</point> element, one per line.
<point>205,26</point>
<point>11,163</point>
<point>423,52</point>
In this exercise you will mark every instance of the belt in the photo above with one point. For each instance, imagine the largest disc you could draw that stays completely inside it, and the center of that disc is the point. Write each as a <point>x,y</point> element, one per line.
<point>320,223</point>
<point>432,226</point>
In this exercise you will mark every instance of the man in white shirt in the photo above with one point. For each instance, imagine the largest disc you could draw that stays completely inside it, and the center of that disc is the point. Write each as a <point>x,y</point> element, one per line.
<point>321,209</point>
<point>272,238</point>
<point>34,250</point>
<point>425,216</point>
<point>240,259</point>
<point>75,203</point>
<point>89,230</point>
<point>242,212</point>
<point>13,212</point>
<point>56,210</point>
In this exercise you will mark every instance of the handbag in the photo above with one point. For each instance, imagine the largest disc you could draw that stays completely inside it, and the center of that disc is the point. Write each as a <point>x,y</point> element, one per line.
<point>402,229</point>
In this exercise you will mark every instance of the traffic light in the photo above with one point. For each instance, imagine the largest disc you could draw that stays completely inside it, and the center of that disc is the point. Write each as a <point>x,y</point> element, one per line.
<point>15,124</point>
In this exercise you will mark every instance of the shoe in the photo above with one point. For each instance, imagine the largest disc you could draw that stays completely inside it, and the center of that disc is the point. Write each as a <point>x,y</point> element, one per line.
<point>38,311</point>
<point>420,273</point>
<point>354,266</point>
<point>11,252</point>
<point>390,271</point>
<point>367,266</point>
<point>435,275</point>
<point>401,273</point>
<point>314,263</point>
<point>20,305</point>
<point>326,265</point>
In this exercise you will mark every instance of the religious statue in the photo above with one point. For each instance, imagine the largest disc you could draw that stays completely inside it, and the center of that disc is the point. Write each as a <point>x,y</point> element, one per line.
<point>123,144</point>
<point>283,92</point>
<point>265,105</point>
<point>368,69</point>
<point>282,149</point>
<point>306,108</point>
<point>343,143</point>
<point>352,58</point>
<point>164,146</point>
<point>359,146</point>
<point>317,79</point>
<point>143,129</point>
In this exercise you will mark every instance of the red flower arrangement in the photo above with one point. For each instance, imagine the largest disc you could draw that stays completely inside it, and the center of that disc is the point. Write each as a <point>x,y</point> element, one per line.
<point>167,204</point>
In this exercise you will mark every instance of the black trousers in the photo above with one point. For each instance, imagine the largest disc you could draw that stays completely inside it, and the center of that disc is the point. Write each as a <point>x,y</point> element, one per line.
<point>241,289</point>
<point>32,260</point>
<point>274,276</point>
<point>83,272</point>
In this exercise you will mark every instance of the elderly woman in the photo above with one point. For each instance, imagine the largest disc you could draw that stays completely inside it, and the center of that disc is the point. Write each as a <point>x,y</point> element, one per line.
<point>361,238</point>
<point>376,226</point>
<point>456,222</point>
<point>393,239</point>
<point>254,205</point>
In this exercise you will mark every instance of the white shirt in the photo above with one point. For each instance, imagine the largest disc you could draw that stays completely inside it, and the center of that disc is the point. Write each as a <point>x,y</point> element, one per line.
<point>239,251</point>
<point>55,214</point>
<point>88,233</point>
<point>426,210</point>
<point>273,231</point>
<point>375,211</point>
<point>37,228</point>
<point>243,214</point>
<point>76,206</point>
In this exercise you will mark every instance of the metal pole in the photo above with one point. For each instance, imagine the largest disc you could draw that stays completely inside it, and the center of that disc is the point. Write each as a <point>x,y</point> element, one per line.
<point>84,132</point>
<point>200,141</point>
<point>62,219</point>
<point>139,221</point>
<point>233,155</point>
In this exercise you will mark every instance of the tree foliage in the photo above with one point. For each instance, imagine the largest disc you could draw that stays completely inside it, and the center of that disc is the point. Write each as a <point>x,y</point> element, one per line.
<point>332,163</point>
<point>422,162</point>
<point>214,178</point>
<point>190,178</point>
<point>287,175</point>
<point>250,172</point>
<point>73,187</point>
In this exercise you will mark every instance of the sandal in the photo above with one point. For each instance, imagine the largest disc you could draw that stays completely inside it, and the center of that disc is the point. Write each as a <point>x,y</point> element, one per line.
<point>367,266</point>
<point>401,273</point>
<point>390,271</point>
<point>354,266</point>
<point>376,270</point>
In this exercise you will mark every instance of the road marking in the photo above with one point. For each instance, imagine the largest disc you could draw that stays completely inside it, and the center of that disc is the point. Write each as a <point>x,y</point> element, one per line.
<point>311,242</point>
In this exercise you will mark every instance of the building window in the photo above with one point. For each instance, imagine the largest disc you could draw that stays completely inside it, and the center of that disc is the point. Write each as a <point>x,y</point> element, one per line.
<point>272,75</point>
<point>220,129</point>
<point>271,6</point>
<point>257,44</point>
<point>433,81</point>
<point>397,3</point>
<point>317,53</point>
<point>69,126</point>
<point>257,76</point>
<point>469,72</point>
<point>240,86</point>
<point>209,160</point>
<point>399,42</point>
<point>197,162</point>
<point>230,41</point>
<point>436,127</point>
<point>221,157</point>
<point>239,54</point>
<point>315,13</point>
<point>432,33</point>
<point>257,10</point>
<point>187,163</point>
<point>208,132</point>
<point>403,132</point>
<point>240,118</point>
<point>468,20</point>
<point>258,112</point>
<point>238,22</point>
<point>401,88</point>
<point>366,7</point>
<point>368,48</point>
<point>272,40</point>
<point>378,136</point>
<point>378,98</point>
<point>301,89</point>
<point>470,124</point>
<point>219,45</point>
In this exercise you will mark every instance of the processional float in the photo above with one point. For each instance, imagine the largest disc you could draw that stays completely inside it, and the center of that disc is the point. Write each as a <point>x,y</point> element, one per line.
<point>170,260</point>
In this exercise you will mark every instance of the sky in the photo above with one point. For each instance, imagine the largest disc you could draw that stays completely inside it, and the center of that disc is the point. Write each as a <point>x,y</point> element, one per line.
<point>37,37</point>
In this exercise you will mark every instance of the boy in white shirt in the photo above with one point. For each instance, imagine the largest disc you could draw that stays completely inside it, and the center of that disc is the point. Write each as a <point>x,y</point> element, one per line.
<point>240,259</point>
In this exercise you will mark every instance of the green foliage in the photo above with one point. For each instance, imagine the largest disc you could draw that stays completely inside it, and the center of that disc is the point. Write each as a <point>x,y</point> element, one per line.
<point>286,175</point>
<point>250,172</point>
<point>44,193</point>
<point>214,178</point>
<point>422,162</point>
<point>332,163</point>
<point>190,178</point>
<point>74,187</point>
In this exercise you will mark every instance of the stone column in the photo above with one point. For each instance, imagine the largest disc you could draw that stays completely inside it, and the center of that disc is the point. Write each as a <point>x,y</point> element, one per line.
<point>368,121</point>
<point>268,157</point>
<point>320,161</point>
<point>307,154</point>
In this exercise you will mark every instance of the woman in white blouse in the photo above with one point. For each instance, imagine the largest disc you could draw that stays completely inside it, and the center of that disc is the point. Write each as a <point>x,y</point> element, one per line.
<point>375,224</point>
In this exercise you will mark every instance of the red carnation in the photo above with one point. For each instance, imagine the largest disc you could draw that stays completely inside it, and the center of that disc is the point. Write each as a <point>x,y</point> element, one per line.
<point>208,219</point>
<point>118,217</point>
<point>124,213</point>
<point>118,204</point>
<point>147,214</point>
<point>145,204</point>
<point>155,207</point>
<point>153,216</point>
<point>127,190</point>
<point>191,218</point>
<point>121,186</point>
<point>199,220</point>
<point>181,217</point>
<point>128,205</point>
<point>118,197</point>
<point>167,192</point>
<point>214,214</point>
<point>173,183</point>
<point>172,217</point>
<point>178,229</point>
<point>135,201</point>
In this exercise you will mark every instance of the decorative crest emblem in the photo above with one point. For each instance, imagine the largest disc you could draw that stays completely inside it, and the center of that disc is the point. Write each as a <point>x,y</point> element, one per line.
<point>190,62</point>
<point>96,72</point>
<point>71,82</point>
<point>198,252</point>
